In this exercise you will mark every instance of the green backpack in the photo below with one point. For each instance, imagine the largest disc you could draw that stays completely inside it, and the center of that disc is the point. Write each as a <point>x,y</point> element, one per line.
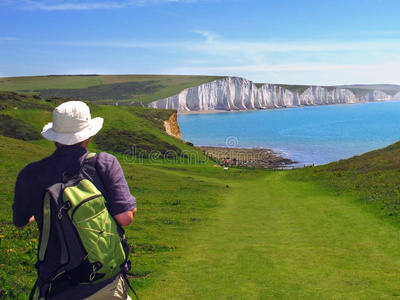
<point>93,246</point>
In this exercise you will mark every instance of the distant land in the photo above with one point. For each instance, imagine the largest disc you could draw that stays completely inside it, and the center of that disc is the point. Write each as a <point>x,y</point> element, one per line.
<point>193,92</point>
<point>235,93</point>
<point>104,89</point>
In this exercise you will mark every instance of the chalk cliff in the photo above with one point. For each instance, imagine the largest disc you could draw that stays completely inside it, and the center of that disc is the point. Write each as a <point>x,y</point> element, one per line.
<point>171,126</point>
<point>234,93</point>
<point>376,95</point>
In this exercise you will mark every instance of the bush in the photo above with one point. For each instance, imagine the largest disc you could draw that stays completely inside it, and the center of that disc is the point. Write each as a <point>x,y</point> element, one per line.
<point>155,116</point>
<point>17,129</point>
<point>138,143</point>
<point>20,101</point>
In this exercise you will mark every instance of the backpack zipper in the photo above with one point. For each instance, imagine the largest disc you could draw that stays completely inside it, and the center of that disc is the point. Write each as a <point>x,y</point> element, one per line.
<point>82,202</point>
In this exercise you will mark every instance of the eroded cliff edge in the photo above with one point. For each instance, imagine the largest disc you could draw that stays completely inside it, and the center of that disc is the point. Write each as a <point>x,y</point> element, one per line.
<point>172,127</point>
<point>235,93</point>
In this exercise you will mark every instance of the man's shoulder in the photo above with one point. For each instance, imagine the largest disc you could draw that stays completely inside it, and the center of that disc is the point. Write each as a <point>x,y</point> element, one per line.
<point>33,168</point>
<point>105,158</point>
<point>105,161</point>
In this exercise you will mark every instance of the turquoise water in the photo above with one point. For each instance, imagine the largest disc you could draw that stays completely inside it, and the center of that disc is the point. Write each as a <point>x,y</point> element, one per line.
<point>317,134</point>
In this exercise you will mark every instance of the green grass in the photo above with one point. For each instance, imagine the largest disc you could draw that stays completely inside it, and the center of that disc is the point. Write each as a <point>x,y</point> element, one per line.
<point>372,178</point>
<point>16,84</point>
<point>202,232</point>
<point>17,129</point>
<point>105,89</point>
<point>273,238</point>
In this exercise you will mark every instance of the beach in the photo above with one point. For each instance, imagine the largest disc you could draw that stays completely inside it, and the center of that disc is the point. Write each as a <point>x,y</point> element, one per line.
<point>247,157</point>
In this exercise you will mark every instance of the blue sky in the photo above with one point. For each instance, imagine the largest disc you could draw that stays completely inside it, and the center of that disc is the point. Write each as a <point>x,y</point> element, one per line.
<point>277,41</point>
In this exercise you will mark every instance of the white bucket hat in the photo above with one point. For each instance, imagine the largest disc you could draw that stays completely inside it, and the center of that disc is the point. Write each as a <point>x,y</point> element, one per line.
<point>72,124</point>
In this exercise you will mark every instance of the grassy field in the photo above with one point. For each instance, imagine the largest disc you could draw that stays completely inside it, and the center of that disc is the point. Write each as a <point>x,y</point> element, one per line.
<point>274,238</point>
<point>105,88</point>
<point>201,232</point>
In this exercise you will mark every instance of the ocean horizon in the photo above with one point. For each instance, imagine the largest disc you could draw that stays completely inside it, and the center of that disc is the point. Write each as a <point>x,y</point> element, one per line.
<point>308,135</point>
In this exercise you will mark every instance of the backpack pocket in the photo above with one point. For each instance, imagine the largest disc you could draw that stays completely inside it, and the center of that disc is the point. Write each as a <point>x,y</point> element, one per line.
<point>96,228</point>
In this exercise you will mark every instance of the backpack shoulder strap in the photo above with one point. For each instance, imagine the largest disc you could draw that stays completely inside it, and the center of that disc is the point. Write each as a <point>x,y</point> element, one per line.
<point>89,172</point>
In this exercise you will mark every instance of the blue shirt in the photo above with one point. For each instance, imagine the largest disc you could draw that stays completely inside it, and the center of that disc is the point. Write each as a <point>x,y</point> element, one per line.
<point>36,177</point>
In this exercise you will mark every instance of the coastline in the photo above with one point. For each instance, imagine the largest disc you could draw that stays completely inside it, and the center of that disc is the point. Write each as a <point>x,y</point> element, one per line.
<point>195,112</point>
<point>248,157</point>
<point>216,111</point>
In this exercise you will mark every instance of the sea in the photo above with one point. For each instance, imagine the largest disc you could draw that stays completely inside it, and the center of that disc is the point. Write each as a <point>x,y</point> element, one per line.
<point>308,135</point>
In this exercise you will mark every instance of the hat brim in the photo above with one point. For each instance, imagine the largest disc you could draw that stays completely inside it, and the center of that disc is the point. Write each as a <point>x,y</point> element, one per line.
<point>73,138</point>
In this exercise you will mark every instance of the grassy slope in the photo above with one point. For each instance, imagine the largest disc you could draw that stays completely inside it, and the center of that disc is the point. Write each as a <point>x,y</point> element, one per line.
<point>170,84</point>
<point>275,238</point>
<point>372,177</point>
<point>16,84</point>
<point>162,212</point>
<point>202,232</point>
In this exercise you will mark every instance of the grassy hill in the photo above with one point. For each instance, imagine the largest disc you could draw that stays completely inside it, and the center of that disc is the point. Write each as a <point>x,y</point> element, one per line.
<point>22,118</point>
<point>201,232</point>
<point>373,178</point>
<point>124,89</point>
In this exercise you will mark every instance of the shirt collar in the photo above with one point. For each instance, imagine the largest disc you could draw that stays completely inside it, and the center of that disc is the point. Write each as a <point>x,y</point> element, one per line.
<point>73,149</point>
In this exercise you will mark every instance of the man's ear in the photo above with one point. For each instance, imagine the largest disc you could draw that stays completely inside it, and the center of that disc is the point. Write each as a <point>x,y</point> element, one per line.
<point>85,143</point>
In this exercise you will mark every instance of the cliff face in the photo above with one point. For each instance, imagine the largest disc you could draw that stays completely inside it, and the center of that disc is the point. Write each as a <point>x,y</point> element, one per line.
<point>172,127</point>
<point>376,95</point>
<point>235,93</point>
<point>226,94</point>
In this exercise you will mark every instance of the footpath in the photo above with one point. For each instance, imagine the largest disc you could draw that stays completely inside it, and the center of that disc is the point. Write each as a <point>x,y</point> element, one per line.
<point>274,238</point>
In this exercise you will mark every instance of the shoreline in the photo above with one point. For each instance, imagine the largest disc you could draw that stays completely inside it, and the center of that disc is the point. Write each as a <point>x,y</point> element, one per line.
<point>214,111</point>
<point>195,112</point>
<point>248,157</point>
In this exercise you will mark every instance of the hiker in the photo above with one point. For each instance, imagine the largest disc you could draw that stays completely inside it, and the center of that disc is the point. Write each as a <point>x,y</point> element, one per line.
<point>71,130</point>
<point>226,162</point>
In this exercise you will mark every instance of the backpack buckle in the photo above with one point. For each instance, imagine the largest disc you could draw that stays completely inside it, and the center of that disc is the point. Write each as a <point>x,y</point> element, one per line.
<point>67,206</point>
<point>95,268</point>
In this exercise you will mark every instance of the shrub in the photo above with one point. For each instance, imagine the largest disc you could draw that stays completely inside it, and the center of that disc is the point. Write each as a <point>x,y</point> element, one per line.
<point>139,143</point>
<point>20,101</point>
<point>17,129</point>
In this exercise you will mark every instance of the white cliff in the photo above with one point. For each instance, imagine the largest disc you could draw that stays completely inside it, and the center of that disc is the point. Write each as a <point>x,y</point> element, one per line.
<point>273,96</point>
<point>230,93</point>
<point>234,93</point>
<point>376,95</point>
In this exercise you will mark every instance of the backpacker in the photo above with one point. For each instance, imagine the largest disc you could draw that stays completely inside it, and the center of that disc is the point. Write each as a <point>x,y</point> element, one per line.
<point>93,246</point>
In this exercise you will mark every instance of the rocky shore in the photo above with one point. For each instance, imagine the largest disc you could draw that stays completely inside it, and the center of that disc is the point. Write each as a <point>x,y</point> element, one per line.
<point>243,157</point>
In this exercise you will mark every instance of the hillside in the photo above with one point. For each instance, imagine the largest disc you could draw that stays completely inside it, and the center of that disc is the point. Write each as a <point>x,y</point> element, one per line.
<point>23,116</point>
<point>125,129</point>
<point>373,178</point>
<point>122,89</point>
<point>202,232</point>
